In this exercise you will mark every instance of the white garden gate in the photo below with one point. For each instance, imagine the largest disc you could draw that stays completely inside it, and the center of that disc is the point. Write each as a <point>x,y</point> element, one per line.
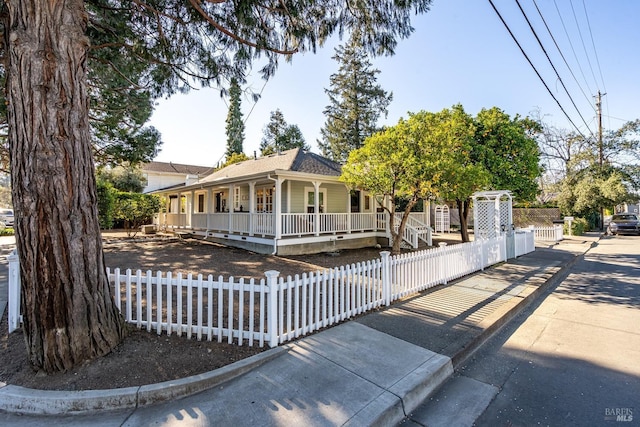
<point>443,219</point>
<point>492,214</point>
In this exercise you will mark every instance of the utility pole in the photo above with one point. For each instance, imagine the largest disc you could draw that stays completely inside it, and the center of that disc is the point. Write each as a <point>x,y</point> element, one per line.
<point>600,148</point>
<point>599,109</point>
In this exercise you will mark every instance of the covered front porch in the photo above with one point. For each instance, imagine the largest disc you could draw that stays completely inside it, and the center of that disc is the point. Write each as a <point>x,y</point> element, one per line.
<point>291,202</point>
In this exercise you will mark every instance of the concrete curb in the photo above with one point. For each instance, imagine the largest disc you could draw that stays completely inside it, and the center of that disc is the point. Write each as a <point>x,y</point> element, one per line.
<point>22,400</point>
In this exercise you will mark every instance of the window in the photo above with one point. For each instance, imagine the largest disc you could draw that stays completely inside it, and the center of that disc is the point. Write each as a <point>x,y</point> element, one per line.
<point>310,199</point>
<point>173,204</point>
<point>200,203</point>
<point>236,198</point>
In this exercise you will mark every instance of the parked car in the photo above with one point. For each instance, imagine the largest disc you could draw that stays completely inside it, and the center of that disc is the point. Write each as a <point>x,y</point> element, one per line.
<point>624,223</point>
<point>6,216</point>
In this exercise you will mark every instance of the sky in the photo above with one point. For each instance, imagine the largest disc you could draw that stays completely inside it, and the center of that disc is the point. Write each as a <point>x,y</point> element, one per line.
<point>460,52</point>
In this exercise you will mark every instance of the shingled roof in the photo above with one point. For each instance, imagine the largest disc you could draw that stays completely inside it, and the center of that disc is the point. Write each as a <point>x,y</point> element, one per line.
<point>296,160</point>
<point>170,167</point>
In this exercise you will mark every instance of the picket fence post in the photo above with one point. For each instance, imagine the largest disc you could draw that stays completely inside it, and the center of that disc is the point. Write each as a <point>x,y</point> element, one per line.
<point>444,271</point>
<point>272,307</point>
<point>386,277</point>
<point>14,291</point>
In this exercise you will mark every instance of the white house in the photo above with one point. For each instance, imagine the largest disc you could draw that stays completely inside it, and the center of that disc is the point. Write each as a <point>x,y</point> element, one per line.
<point>285,203</point>
<point>162,175</point>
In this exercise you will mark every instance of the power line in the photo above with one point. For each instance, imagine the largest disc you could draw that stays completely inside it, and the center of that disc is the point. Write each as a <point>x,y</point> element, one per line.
<point>534,68</point>
<point>562,55</point>
<point>583,45</point>
<point>535,34</point>
<point>595,52</point>
<point>564,27</point>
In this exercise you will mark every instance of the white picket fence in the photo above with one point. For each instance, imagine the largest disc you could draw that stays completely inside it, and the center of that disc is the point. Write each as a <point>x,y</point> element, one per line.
<point>276,309</point>
<point>547,234</point>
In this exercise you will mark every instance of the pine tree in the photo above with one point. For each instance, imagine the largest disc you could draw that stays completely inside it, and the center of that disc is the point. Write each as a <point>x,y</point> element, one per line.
<point>235,123</point>
<point>356,102</point>
<point>280,136</point>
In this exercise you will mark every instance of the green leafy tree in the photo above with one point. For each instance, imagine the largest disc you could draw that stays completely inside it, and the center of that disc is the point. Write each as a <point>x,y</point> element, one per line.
<point>508,150</point>
<point>124,178</point>
<point>595,175</point>
<point>281,136</point>
<point>459,174</point>
<point>235,123</point>
<point>157,47</point>
<point>134,210</point>
<point>356,102</point>
<point>403,161</point>
<point>235,158</point>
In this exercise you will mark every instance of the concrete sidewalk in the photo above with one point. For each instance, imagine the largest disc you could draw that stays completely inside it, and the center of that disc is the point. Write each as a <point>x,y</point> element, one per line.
<point>370,371</point>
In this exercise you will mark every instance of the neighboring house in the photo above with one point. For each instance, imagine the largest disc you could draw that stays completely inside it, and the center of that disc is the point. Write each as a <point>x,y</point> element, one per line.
<point>162,175</point>
<point>285,203</point>
<point>629,207</point>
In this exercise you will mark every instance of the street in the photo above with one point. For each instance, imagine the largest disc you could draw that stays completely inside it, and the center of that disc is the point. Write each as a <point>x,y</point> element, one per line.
<point>571,359</point>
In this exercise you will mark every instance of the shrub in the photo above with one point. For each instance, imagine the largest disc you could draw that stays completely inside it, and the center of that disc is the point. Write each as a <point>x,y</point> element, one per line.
<point>578,227</point>
<point>7,232</point>
<point>135,209</point>
<point>106,204</point>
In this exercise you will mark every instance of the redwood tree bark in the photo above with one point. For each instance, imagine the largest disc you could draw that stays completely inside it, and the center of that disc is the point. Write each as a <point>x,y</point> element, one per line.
<point>69,312</point>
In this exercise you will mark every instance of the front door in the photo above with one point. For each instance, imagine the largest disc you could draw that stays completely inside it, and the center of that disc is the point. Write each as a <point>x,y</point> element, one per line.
<point>355,201</point>
<point>310,200</point>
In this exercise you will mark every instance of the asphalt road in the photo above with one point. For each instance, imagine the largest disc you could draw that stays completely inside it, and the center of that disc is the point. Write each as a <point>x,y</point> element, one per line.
<point>572,359</point>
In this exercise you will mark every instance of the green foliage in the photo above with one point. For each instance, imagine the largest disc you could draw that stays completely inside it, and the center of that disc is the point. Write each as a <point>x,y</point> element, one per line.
<point>106,203</point>
<point>235,158</point>
<point>508,151</point>
<point>8,231</point>
<point>578,227</point>
<point>123,178</point>
<point>355,102</point>
<point>235,123</point>
<point>135,210</point>
<point>280,136</point>
<point>594,188</point>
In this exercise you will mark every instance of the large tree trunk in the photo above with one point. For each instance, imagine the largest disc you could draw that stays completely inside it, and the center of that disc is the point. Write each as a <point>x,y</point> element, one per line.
<point>69,312</point>
<point>463,211</point>
<point>397,236</point>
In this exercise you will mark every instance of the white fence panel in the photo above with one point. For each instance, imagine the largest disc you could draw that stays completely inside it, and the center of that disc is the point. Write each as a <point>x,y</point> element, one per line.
<point>548,234</point>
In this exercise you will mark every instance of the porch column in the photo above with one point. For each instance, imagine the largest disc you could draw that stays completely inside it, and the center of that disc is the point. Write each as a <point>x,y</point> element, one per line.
<point>316,207</point>
<point>289,196</point>
<point>230,206</point>
<point>181,214</point>
<point>252,205</point>
<point>348,209</point>
<point>167,209</point>
<point>209,207</point>
<point>277,209</point>
<point>192,206</point>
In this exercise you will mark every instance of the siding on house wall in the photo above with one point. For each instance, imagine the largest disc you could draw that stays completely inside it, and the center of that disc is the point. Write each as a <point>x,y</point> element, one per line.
<point>157,181</point>
<point>297,196</point>
<point>336,195</point>
<point>336,198</point>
